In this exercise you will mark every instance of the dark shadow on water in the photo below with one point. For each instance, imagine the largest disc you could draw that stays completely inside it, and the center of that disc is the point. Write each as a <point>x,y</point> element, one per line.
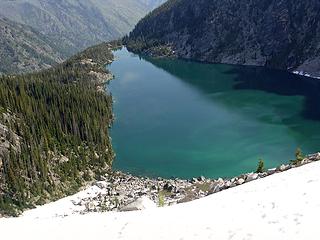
<point>246,78</point>
<point>281,83</point>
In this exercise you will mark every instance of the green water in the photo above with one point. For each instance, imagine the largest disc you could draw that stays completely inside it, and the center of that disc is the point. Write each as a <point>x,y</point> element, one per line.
<point>183,119</point>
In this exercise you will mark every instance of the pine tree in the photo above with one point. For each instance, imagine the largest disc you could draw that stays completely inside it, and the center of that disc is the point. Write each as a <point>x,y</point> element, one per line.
<point>261,167</point>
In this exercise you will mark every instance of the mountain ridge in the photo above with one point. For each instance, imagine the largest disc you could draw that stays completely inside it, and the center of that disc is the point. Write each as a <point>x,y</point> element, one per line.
<point>76,25</point>
<point>277,34</point>
<point>46,32</point>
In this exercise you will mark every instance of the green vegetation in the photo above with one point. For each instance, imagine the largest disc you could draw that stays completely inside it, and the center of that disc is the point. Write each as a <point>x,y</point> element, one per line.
<point>61,122</point>
<point>152,48</point>
<point>261,167</point>
<point>299,157</point>
<point>205,187</point>
<point>161,197</point>
<point>147,43</point>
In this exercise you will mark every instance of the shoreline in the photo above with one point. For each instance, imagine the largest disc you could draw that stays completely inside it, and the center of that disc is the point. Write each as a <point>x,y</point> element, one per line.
<point>120,192</point>
<point>305,74</point>
<point>282,206</point>
<point>171,54</point>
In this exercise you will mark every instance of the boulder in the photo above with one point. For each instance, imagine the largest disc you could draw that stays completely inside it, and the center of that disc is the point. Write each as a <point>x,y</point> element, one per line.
<point>220,181</point>
<point>201,178</point>
<point>168,187</point>
<point>314,157</point>
<point>240,181</point>
<point>194,180</point>
<point>271,171</point>
<point>283,168</point>
<point>228,184</point>
<point>217,186</point>
<point>91,206</point>
<point>139,204</point>
<point>252,176</point>
<point>233,183</point>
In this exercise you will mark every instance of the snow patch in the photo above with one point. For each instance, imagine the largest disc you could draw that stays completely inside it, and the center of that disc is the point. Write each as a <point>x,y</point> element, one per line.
<point>305,74</point>
<point>282,206</point>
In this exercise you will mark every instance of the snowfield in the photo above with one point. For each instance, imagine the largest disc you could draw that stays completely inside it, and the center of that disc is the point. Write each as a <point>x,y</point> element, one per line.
<point>284,206</point>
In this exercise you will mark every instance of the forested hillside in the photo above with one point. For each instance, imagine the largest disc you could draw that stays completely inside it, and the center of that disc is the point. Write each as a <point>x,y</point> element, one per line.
<point>22,49</point>
<point>54,130</point>
<point>281,34</point>
<point>75,25</point>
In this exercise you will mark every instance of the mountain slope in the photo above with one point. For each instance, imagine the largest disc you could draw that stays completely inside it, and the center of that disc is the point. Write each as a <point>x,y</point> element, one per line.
<point>22,49</point>
<point>54,129</point>
<point>281,34</point>
<point>75,25</point>
<point>151,4</point>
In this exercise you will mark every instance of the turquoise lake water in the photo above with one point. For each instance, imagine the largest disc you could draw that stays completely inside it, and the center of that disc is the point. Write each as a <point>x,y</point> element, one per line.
<point>177,118</point>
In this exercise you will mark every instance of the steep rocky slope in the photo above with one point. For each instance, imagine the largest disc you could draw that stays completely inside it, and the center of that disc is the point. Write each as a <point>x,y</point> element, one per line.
<point>281,34</point>
<point>22,49</point>
<point>75,25</point>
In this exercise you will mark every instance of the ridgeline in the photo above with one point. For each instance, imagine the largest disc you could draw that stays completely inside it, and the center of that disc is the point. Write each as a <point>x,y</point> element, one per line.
<point>277,34</point>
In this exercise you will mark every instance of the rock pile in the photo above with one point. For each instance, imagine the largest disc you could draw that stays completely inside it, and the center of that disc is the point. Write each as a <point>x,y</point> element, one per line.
<point>118,191</point>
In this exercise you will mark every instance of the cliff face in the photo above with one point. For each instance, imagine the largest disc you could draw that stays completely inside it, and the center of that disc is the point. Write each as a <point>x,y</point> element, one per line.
<point>282,34</point>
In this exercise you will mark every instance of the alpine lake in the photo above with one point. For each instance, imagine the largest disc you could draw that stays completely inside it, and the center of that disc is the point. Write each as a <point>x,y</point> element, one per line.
<point>177,118</point>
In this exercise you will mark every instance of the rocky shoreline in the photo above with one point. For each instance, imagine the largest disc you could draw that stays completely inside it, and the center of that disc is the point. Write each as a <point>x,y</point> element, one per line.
<point>117,191</point>
<point>167,51</point>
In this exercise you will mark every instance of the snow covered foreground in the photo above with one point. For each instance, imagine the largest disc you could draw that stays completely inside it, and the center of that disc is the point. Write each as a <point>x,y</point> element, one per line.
<point>284,206</point>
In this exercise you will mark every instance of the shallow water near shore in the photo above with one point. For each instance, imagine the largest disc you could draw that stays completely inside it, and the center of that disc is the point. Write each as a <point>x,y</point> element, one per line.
<point>177,118</point>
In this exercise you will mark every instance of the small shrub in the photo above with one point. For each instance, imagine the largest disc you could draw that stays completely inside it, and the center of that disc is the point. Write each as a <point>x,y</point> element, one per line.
<point>161,197</point>
<point>299,156</point>
<point>260,168</point>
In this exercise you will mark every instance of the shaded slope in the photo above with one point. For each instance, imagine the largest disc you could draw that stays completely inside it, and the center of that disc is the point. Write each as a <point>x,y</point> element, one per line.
<point>279,34</point>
